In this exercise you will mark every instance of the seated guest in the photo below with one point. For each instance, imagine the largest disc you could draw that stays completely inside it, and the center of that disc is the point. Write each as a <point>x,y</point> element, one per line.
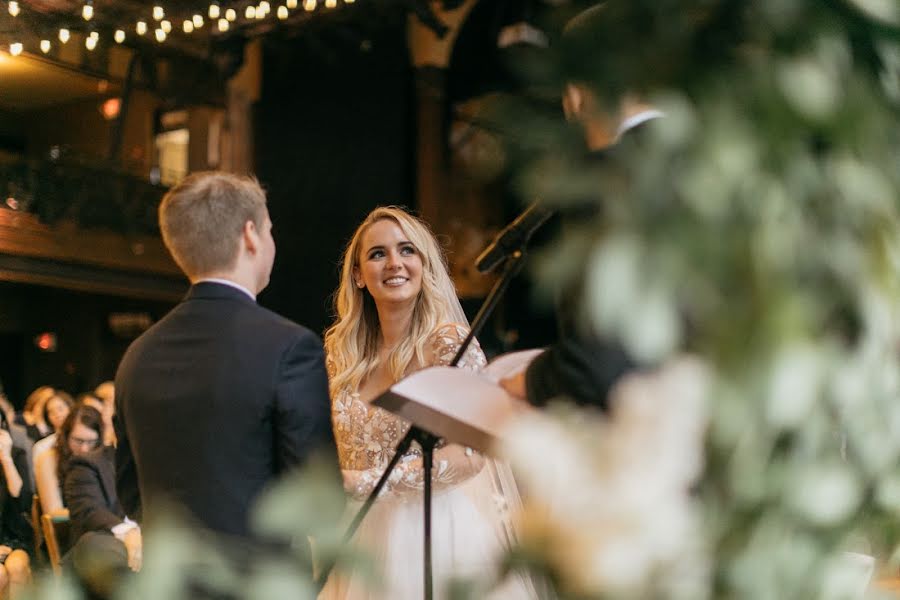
<point>106,391</point>
<point>15,530</point>
<point>57,408</point>
<point>80,433</point>
<point>32,416</point>
<point>107,542</point>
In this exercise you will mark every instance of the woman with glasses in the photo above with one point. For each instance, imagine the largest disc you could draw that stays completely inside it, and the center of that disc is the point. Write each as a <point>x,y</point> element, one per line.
<point>107,543</point>
<point>80,433</point>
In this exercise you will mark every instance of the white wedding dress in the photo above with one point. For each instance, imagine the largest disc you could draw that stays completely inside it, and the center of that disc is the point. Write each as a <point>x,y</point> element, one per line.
<point>471,501</point>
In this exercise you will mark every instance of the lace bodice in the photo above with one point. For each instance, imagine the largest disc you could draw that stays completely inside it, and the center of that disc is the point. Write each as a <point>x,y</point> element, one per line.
<point>367,435</point>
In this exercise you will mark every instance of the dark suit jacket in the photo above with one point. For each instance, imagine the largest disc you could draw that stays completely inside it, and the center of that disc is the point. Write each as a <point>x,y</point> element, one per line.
<point>89,492</point>
<point>582,366</point>
<point>214,402</point>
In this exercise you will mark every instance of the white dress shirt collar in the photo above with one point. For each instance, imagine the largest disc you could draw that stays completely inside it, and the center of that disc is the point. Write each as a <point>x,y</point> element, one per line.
<point>229,283</point>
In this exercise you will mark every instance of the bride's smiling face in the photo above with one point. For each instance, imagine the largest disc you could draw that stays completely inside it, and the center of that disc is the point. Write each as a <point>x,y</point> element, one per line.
<point>390,266</point>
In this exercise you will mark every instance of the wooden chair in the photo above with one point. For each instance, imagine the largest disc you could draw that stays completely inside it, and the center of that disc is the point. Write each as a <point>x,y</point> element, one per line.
<point>56,535</point>
<point>36,523</point>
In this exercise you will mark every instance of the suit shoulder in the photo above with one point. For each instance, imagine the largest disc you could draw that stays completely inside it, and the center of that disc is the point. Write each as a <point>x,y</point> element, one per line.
<point>285,326</point>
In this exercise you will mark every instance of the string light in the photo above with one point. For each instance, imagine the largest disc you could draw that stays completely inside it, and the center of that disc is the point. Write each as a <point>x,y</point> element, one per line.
<point>64,35</point>
<point>90,42</point>
<point>188,26</point>
<point>166,26</point>
<point>198,21</point>
<point>282,12</point>
<point>309,5</point>
<point>13,8</point>
<point>141,27</point>
<point>223,25</point>
<point>292,4</point>
<point>16,48</point>
<point>158,13</point>
<point>45,46</point>
<point>231,14</point>
<point>214,10</point>
<point>160,35</point>
<point>250,12</point>
<point>119,36</point>
<point>87,11</point>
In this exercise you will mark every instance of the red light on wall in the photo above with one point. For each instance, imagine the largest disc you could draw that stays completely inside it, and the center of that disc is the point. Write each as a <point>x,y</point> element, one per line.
<point>110,108</point>
<point>46,342</point>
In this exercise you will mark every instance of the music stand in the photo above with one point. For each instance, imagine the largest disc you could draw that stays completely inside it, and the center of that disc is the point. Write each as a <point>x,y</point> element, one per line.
<point>427,440</point>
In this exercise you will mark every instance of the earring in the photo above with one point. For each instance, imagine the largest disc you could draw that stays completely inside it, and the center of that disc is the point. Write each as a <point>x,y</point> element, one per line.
<point>360,284</point>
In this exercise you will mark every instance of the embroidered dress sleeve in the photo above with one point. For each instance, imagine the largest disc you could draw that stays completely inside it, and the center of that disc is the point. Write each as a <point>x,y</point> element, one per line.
<point>453,464</point>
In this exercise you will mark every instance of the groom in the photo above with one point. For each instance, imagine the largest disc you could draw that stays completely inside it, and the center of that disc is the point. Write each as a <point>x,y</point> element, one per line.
<point>221,396</point>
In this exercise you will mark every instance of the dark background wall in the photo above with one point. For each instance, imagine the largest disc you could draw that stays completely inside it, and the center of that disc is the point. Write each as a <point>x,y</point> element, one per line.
<point>333,140</point>
<point>88,351</point>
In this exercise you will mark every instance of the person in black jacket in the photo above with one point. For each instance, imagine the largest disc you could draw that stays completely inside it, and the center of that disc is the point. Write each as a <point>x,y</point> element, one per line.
<point>15,501</point>
<point>583,366</point>
<point>107,543</point>
<point>221,396</point>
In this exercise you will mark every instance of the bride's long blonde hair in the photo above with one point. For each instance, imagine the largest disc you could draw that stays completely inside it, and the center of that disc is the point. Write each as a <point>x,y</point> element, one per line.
<point>351,343</point>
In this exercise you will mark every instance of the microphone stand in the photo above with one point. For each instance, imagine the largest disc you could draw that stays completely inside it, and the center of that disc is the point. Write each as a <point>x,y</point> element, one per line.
<point>512,264</point>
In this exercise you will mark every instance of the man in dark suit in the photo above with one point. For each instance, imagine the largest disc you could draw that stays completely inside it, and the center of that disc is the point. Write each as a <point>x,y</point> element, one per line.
<point>221,396</point>
<point>582,366</point>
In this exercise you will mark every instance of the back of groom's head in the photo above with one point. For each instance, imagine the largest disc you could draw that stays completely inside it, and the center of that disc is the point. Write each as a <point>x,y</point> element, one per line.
<point>203,217</point>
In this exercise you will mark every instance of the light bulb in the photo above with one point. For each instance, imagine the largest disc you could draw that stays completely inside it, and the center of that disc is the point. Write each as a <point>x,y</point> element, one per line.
<point>90,42</point>
<point>330,3</point>
<point>141,27</point>
<point>214,11</point>
<point>231,14</point>
<point>166,26</point>
<point>15,48</point>
<point>119,36</point>
<point>188,26</point>
<point>349,1</point>
<point>250,12</point>
<point>158,13</point>
<point>160,35</point>
<point>223,25</point>
<point>282,12</point>
<point>309,5</point>
<point>198,21</point>
<point>265,6</point>
<point>291,4</point>
<point>45,46</point>
<point>13,8</point>
<point>94,35</point>
<point>87,11</point>
<point>64,35</point>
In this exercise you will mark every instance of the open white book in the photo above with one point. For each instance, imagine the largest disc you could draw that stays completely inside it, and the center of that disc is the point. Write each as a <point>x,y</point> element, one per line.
<point>461,406</point>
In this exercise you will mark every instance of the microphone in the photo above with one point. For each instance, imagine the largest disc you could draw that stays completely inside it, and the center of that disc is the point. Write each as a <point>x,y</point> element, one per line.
<point>513,237</point>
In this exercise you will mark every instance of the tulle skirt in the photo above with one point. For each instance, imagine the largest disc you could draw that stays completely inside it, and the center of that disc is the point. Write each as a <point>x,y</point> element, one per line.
<point>468,535</point>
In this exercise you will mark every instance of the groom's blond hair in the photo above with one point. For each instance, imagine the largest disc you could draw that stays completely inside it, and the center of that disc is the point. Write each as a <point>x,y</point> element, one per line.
<point>202,218</point>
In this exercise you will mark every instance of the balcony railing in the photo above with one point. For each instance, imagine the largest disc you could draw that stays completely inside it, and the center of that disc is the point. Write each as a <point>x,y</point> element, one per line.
<point>89,193</point>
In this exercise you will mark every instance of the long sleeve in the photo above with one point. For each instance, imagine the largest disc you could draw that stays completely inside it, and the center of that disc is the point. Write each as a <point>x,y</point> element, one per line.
<point>302,416</point>
<point>83,492</point>
<point>126,471</point>
<point>580,368</point>
<point>453,464</point>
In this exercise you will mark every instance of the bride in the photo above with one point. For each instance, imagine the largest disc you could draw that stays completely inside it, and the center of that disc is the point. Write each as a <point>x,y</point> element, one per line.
<point>397,312</point>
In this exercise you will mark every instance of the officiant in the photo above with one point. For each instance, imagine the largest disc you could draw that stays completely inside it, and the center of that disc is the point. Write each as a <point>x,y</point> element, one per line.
<point>581,365</point>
